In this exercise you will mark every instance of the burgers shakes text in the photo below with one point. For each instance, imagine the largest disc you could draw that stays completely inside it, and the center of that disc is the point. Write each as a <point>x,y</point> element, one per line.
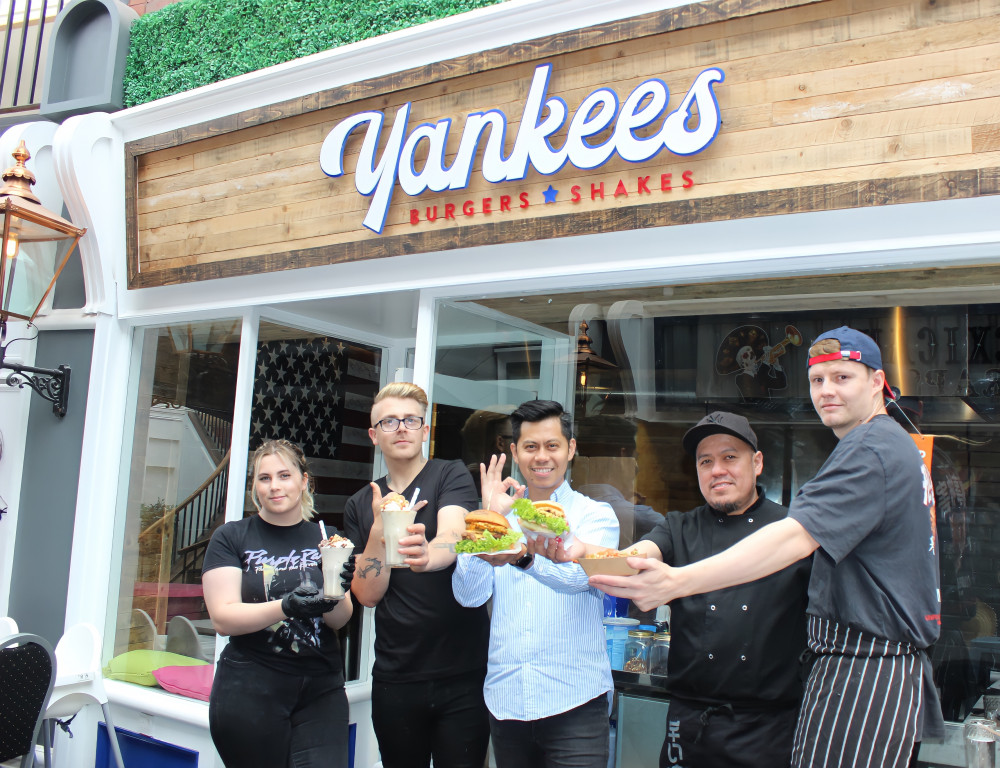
<point>688,129</point>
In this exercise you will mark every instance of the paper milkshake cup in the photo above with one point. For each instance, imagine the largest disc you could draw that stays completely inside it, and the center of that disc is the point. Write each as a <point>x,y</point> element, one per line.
<point>394,524</point>
<point>334,558</point>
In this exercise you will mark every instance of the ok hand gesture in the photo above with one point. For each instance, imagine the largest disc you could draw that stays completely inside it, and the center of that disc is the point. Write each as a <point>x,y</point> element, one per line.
<point>495,486</point>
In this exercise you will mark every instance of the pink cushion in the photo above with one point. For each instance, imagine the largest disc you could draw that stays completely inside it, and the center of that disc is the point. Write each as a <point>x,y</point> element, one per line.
<point>195,682</point>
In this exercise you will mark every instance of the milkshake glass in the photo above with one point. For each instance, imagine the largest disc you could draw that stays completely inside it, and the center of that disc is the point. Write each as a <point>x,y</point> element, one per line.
<point>394,524</point>
<point>335,555</point>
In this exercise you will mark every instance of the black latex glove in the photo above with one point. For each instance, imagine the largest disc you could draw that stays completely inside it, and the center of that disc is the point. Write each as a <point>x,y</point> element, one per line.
<point>347,575</point>
<point>306,603</point>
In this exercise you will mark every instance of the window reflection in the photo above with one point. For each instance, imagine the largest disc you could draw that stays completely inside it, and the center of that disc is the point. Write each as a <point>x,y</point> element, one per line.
<point>181,435</point>
<point>673,367</point>
<point>317,391</point>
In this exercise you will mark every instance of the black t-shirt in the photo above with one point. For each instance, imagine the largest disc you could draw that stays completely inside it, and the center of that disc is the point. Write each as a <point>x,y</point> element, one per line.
<point>421,632</point>
<point>738,645</point>
<point>870,508</point>
<point>274,560</point>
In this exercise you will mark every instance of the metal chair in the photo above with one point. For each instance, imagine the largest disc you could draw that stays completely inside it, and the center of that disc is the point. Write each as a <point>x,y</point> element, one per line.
<point>182,638</point>
<point>27,672</point>
<point>78,683</point>
<point>143,634</point>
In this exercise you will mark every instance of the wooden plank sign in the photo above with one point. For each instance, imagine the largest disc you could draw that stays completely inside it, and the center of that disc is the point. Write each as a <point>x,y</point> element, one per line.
<point>693,114</point>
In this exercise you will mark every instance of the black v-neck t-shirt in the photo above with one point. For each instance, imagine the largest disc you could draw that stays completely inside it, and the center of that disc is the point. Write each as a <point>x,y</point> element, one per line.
<point>421,632</point>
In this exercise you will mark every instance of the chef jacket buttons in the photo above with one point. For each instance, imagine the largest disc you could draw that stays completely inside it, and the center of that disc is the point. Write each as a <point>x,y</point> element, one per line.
<point>744,607</point>
<point>711,656</point>
<point>750,520</point>
<point>743,658</point>
<point>711,607</point>
<point>720,519</point>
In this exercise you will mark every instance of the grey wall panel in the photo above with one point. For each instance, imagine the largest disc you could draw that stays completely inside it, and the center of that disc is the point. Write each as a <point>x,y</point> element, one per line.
<point>47,507</point>
<point>71,290</point>
<point>85,61</point>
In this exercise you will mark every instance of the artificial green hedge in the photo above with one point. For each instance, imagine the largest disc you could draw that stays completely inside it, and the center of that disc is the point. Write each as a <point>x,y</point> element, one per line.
<point>197,42</point>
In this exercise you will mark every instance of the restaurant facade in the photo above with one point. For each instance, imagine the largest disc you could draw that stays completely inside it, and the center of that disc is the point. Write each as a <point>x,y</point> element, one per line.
<point>646,218</point>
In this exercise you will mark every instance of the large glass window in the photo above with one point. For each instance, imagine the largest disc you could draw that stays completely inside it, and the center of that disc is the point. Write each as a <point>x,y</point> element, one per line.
<point>639,366</point>
<point>317,391</point>
<point>183,385</point>
<point>312,389</point>
<point>486,363</point>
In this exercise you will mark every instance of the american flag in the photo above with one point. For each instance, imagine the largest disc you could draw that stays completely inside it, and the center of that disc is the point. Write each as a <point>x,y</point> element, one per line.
<point>317,391</point>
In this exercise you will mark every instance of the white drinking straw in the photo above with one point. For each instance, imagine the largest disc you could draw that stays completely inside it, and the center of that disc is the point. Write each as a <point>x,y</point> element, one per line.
<point>322,530</point>
<point>416,493</point>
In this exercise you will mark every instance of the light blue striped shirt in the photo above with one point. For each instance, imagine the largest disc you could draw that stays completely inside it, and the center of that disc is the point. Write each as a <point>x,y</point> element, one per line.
<point>547,648</point>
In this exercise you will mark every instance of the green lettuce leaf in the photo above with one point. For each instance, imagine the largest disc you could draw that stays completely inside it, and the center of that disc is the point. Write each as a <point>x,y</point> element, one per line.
<point>487,543</point>
<point>528,512</point>
<point>521,506</point>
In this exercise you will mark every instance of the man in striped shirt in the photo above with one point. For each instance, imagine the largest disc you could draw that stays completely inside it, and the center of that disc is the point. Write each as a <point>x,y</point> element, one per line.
<point>548,675</point>
<point>874,598</point>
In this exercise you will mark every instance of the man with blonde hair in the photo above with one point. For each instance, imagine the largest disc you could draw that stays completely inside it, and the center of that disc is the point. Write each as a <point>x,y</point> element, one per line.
<point>430,652</point>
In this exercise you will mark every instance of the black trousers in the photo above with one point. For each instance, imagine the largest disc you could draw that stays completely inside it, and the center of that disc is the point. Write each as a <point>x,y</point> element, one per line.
<point>577,738</point>
<point>700,736</point>
<point>262,718</point>
<point>444,718</point>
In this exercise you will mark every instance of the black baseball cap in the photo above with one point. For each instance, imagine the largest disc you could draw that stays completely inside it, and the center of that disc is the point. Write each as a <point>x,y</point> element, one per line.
<point>856,346</point>
<point>716,423</point>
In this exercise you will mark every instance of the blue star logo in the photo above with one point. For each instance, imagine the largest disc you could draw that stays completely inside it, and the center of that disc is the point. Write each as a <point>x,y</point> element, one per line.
<point>550,194</point>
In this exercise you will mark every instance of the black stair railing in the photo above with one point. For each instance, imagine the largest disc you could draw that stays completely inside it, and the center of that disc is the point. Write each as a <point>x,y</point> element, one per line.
<point>194,516</point>
<point>189,521</point>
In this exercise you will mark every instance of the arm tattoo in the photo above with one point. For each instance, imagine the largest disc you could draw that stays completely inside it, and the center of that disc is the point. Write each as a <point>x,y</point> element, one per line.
<point>376,565</point>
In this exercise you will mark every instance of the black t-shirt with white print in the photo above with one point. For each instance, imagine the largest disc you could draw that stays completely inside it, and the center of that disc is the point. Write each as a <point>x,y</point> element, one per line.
<point>274,560</point>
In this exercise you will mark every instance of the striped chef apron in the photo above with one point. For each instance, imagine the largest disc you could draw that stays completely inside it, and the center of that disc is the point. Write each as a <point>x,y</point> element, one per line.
<point>862,700</point>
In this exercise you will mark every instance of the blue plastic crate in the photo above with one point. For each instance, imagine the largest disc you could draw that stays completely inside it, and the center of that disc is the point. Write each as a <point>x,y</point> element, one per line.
<point>140,751</point>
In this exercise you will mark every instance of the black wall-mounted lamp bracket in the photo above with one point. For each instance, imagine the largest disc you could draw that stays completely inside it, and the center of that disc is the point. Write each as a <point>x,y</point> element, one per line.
<point>52,384</point>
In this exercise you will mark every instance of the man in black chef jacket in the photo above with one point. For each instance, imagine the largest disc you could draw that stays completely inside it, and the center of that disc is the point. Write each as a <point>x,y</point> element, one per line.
<point>733,670</point>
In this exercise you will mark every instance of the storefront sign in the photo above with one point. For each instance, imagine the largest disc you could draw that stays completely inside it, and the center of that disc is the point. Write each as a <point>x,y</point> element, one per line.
<point>589,131</point>
<point>685,131</point>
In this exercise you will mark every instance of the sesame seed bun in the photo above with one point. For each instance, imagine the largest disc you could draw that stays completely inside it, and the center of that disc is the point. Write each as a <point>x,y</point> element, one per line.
<point>486,520</point>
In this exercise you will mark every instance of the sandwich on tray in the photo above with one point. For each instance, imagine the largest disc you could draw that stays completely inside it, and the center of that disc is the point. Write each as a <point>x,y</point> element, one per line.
<point>545,517</point>
<point>486,532</point>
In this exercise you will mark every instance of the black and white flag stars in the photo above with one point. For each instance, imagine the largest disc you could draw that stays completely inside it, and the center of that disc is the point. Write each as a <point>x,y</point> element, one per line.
<point>299,394</point>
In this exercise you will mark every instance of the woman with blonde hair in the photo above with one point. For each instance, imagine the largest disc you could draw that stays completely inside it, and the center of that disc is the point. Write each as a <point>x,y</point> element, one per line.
<point>278,697</point>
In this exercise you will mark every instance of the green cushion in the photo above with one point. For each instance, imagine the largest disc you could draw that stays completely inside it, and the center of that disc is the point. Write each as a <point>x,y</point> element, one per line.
<point>138,666</point>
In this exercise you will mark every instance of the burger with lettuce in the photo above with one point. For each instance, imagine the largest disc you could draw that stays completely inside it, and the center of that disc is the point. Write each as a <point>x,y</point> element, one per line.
<point>486,532</point>
<point>541,517</point>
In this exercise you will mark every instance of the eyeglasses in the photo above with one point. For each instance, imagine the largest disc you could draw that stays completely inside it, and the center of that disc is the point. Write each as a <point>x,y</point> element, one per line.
<point>391,424</point>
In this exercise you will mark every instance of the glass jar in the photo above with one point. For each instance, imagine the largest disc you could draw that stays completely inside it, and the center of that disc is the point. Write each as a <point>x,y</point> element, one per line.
<point>637,650</point>
<point>616,632</point>
<point>658,654</point>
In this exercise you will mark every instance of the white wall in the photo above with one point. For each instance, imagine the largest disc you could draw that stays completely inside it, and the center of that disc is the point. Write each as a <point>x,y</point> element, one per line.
<point>176,459</point>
